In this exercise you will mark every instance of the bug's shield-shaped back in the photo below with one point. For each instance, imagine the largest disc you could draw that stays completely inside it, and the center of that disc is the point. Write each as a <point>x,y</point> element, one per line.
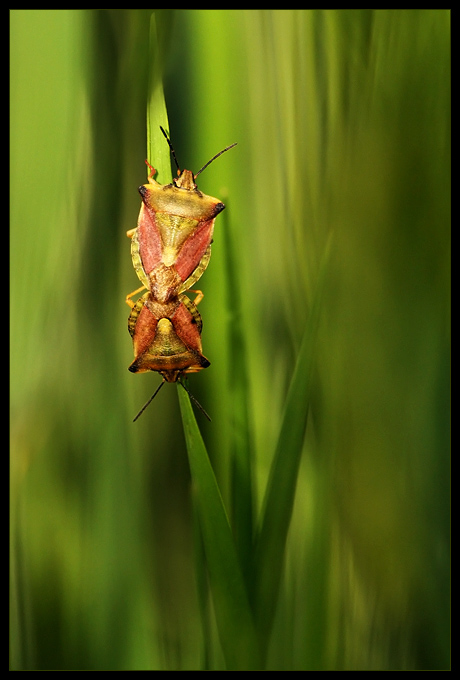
<point>174,230</point>
<point>170,345</point>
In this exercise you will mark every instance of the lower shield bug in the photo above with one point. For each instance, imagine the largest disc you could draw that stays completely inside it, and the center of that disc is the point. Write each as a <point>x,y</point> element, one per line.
<point>167,339</point>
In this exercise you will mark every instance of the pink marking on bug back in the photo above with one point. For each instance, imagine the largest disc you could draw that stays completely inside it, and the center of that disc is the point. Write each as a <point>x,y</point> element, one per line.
<point>193,249</point>
<point>144,332</point>
<point>150,244</point>
<point>186,328</point>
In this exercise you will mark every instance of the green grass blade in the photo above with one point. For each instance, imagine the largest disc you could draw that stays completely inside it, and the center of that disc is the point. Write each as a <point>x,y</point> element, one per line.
<point>233,615</point>
<point>242,488</point>
<point>157,147</point>
<point>280,492</point>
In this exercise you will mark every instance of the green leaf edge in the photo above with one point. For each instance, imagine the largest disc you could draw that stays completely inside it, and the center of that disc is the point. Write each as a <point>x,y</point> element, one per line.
<point>233,614</point>
<point>279,497</point>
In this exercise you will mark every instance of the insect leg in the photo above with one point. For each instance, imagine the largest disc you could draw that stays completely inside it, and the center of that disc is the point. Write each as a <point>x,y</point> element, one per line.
<point>199,296</point>
<point>128,300</point>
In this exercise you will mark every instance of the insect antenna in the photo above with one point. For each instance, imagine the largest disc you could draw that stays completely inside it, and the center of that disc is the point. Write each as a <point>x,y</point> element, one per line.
<point>214,158</point>
<point>173,153</point>
<point>195,401</point>
<point>151,399</point>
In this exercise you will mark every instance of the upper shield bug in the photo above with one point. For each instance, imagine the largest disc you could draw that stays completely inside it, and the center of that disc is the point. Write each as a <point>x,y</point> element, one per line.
<point>171,245</point>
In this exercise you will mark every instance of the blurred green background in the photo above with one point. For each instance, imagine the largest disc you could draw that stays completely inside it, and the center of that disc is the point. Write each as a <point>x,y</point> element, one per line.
<point>342,120</point>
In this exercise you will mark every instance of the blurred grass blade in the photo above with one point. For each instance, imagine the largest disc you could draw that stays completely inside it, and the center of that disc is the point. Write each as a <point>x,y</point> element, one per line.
<point>157,148</point>
<point>233,615</point>
<point>242,491</point>
<point>279,496</point>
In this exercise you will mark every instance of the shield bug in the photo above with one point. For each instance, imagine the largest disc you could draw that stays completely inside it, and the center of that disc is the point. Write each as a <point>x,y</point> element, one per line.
<point>167,339</point>
<point>171,245</point>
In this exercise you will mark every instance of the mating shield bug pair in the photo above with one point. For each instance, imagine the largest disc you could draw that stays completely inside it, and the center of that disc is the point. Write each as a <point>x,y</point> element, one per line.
<point>170,249</point>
